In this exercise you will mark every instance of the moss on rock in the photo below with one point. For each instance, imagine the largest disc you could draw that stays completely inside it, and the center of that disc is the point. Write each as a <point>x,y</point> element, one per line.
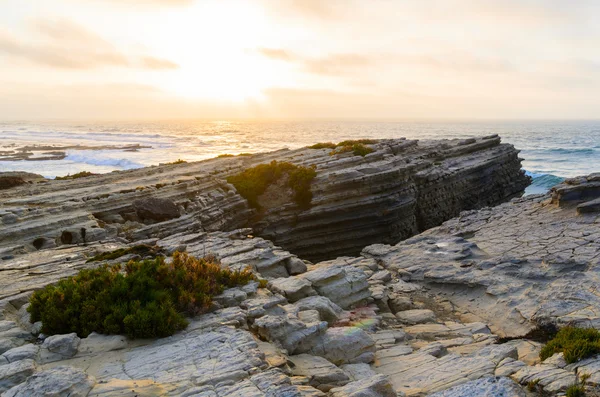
<point>253,182</point>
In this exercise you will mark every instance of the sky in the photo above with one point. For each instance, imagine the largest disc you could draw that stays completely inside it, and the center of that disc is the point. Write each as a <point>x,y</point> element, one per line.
<point>299,59</point>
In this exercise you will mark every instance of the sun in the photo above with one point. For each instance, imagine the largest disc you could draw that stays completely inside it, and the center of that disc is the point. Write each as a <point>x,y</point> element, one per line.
<point>225,77</point>
<point>215,48</point>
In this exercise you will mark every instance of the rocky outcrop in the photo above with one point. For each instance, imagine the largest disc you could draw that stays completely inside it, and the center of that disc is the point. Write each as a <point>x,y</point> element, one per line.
<point>399,189</point>
<point>420,326</point>
<point>420,317</point>
<point>513,266</point>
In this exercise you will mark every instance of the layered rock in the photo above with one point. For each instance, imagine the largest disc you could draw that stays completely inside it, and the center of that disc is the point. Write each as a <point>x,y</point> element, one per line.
<point>513,266</point>
<point>399,189</point>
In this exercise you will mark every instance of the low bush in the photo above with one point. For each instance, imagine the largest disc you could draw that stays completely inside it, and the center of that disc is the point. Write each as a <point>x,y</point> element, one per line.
<point>357,148</point>
<point>253,182</point>
<point>225,155</point>
<point>143,299</point>
<point>82,174</point>
<point>357,141</point>
<point>178,161</point>
<point>323,145</point>
<point>6,182</point>
<point>575,344</point>
<point>575,391</point>
<point>532,385</point>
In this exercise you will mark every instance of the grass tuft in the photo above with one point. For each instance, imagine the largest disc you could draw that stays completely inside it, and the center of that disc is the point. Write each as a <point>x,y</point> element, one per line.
<point>323,145</point>
<point>253,182</point>
<point>178,161</point>
<point>575,391</point>
<point>82,174</point>
<point>575,344</point>
<point>355,146</point>
<point>352,142</point>
<point>358,149</point>
<point>143,299</point>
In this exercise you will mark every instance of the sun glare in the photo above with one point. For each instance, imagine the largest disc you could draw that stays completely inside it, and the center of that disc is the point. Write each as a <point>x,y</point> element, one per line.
<point>219,62</point>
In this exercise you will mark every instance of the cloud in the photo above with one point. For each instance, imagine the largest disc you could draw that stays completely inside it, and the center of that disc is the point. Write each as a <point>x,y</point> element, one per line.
<point>313,8</point>
<point>157,63</point>
<point>152,3</point>
<point>106,101</point>
<point>345,64</point>
<point>67,45</point>
<point>337,64</point>
<point>274,53</point>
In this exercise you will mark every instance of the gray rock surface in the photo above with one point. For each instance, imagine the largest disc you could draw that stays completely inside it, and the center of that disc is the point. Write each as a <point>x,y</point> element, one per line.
<point>342,345</point>
<point>376,386</point>
<point>155,209</point>
<point>59,347</point>
<point>14,373</point>
<point>322,374</point>
<point>485,387</point>
<point>58,381</point>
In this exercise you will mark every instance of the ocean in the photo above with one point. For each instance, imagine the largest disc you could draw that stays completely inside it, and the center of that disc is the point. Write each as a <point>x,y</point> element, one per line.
<point>551,151</point>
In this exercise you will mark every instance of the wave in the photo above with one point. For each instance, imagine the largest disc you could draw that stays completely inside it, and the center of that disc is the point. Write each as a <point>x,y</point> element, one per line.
<point>544,181</point>
<point>82,135</point>
<point>572,151</point>
<point>125,164</point>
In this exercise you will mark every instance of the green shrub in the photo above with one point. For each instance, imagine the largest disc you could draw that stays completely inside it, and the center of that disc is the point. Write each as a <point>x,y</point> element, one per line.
<point>225,155</point>
<point>357,148</point>
<point>6,182</point>
<point>178,161</point>
<point>575,344</point>
<point>245,154</point>
<point>323,145</point>
<point>575,391</point>
<point>82,174</point>
<point>253,182</point>
<point>532,385</point>
<point>142,300</point>
<point>357,141</point>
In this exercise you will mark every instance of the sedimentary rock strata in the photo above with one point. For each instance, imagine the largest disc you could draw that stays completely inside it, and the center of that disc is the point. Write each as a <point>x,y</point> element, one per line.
<point>423,317</point>
<point>399,189</point>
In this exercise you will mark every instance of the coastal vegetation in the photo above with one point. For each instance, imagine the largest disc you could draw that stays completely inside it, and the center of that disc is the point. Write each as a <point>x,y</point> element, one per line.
<point>578,389</point>
<point>323,145</point>
<point>82,174</point>
<point>6,182</point>
<point>575,391</point>
<point>141,299</point>
<point>253,182</point>
<point>575,344</point>
<point>355,146</point>
<point>178,161</point>
<point>234,155</point>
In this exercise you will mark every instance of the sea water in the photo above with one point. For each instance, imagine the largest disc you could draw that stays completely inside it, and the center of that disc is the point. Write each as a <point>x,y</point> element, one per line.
<point>551,151</point>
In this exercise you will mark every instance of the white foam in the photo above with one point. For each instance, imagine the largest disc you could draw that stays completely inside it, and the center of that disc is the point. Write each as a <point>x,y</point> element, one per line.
<point>98,159</point>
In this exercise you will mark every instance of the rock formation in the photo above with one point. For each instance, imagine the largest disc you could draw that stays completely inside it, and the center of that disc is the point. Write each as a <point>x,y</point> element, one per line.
<point>401,188</point>
<point>445,313</point>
